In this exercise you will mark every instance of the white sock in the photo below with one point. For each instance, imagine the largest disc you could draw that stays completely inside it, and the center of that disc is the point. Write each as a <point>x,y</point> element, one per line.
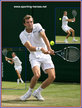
<point>21,79</point>
<point>18,81</point>
<point>30,89</point>
<point>73,38</point>
<point>39,89</point>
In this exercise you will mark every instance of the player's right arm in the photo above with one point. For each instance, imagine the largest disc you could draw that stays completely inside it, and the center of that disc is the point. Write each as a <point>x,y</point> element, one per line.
<point>32,48</point>
<point>8,58</point>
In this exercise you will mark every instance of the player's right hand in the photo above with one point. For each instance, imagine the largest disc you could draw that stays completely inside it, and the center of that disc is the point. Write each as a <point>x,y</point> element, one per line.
<point>51,52</point>
<point>45,51</point>
<point>74,19</point>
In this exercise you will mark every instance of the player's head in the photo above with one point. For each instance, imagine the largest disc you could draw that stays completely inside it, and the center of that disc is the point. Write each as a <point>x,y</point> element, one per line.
<point>28,21</point>
<point>13,54</point>
<point>65,13</point>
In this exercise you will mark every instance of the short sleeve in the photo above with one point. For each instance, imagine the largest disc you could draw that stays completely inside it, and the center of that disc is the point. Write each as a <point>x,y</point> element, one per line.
<point>23,38</point>
<point>39,28</point>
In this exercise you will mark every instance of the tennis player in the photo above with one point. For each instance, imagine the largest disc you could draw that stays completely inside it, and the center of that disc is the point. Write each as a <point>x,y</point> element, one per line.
<point>17,65</point>
<point>66,28</point>
<point>34,39</point>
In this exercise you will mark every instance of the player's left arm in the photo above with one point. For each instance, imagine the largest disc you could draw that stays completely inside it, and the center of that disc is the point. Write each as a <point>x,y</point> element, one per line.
<point>71,20</point>
<point>43,35</point>
<point>9,60</point>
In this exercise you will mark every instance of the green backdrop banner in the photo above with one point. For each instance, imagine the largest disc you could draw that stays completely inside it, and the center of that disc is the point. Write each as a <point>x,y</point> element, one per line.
<point>48,17</point>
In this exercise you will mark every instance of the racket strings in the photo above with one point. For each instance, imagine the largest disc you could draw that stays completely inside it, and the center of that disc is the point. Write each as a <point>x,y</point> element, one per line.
<point>74,13</point>
<point>72,54</point>
<point>4,52</point>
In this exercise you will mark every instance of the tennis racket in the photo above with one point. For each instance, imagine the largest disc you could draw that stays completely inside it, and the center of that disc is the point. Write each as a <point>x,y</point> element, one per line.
<point>74,13</point>
<point>70,54</point>
<point>4,52</point>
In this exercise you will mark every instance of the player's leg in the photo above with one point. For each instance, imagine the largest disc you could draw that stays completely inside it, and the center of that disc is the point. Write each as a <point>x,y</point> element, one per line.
<point>36,71</point>
<point>18,71</point>
<point>47,82</point>
<point>68,34</point>
<point>50,79</point>
<point>73,32</point>
<point>73,35</point>
<point>67,30</point>
<point>19,76</point>
<point>48,67</point>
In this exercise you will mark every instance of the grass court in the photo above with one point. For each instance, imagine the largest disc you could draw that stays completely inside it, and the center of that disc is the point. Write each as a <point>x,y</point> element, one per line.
<point>60,39</point>
<point>57,94</point>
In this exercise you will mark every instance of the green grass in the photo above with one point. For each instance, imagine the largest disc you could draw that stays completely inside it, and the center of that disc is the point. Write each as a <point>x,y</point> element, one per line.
<point>60,39</point>
<point>12,85</point>
<point>57,94</point>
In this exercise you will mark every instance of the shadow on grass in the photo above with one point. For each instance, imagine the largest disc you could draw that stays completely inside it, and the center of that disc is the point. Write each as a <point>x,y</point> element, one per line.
<point>16,101</point>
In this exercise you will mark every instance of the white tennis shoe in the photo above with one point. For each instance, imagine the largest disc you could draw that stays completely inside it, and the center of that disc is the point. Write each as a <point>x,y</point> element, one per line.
<point>22,81</point>
<point>74,40</point>
<point>65,41</point>
<point>26,96</point>
<point>38,96</point>
<point>17,81</point>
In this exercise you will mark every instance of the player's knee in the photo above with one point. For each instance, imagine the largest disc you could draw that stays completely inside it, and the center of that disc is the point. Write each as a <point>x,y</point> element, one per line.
<point>73,31</point>
<point>69,33</point>
<point>36,72</point>
<point>52,77</point>
<point>37,76</point>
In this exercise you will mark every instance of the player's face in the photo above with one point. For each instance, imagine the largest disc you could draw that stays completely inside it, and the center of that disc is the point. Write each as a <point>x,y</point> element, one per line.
<point>13,55</point>
<point>65,13</point>
<point>29,23</point>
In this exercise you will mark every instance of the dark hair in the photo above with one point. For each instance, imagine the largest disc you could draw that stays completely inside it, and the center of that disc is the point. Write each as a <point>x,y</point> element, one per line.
<point>27,17</point>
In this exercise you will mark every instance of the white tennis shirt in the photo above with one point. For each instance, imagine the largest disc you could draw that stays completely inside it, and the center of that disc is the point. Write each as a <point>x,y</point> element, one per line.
<point>16,61</point>
<point>64,22</point>
<point>35,39</point>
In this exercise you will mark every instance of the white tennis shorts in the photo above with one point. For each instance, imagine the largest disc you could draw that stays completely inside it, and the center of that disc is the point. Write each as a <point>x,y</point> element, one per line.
<point>66,28</point>
<point>18,68</point>
<point>44,63</point>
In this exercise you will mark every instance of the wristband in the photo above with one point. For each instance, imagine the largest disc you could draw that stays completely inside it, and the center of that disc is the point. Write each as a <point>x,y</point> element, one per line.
<point>8,61</point>
<point>72,21</point>
<point>38,48</point>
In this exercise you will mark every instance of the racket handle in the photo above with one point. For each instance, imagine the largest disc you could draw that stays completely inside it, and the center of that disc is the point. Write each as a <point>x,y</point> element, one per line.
<point>73,20</point>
